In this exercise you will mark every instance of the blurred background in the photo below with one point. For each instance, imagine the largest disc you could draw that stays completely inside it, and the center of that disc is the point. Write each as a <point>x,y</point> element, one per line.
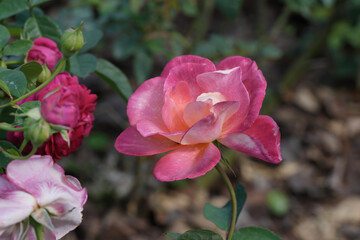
<point>309,52</point>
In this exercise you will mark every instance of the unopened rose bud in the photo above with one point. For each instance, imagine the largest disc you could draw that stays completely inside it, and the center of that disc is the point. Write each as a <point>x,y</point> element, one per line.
<point>44,75</point>
<point>37,131</point>
<point>72,40</point>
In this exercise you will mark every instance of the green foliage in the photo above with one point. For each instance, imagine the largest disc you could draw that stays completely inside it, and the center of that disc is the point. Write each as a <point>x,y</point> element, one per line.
<point>23,109</point>
<point>31,70</point>
<point>229,8</point>
<point>17,48</point>
<point>254,233</point>
<point>15,81</point>
<point>92,38</point>
<point>82,64</point>
<point>9,8</point>
<point>114,77</point>
<point>142,66</point>
<point>4,36</point>
<point>98,141</point>
<point>41,26</point>
<point>202,234</point>
<point>222,216</point>
<point>278,202</point>
<point>4,161</point>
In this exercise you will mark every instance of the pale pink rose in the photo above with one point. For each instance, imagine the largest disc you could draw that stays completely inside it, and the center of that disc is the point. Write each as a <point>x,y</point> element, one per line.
<point>192,104</point>
<point>44,50</point>
<point>37,187</point>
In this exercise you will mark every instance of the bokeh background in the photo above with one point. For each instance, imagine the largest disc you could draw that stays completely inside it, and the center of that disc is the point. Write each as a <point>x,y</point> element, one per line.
<point>309,52</point>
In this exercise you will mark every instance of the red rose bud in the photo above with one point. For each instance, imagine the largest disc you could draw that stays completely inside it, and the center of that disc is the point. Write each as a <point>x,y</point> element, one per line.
<point>37,131</point>
<point>44,51</point>
<point>72,40</point>
<point>44,75</point>
<point>61,107</point>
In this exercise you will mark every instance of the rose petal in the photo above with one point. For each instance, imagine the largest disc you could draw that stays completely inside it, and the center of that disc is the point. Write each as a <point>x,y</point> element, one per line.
<point>66,223</point>
<point>146,102</point>
<point>195,111</point>
<point>185,59</point>
<point>131,142</point>
<point>176,98</point>
<point>262,140</point>
<point>187,162</point>
<point>209,129</point>
<point>254,82</point>
<point>187,72</point>
<point>46,188</point>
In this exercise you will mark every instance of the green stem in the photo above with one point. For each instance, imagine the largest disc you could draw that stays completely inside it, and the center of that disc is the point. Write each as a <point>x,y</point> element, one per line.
<point>23,145</point>
<point>53,75</point>
<point>9,155</point>
<point>11,129</point>
<point>39,229</point>
<point>233,200</point>
<point>13,62</point>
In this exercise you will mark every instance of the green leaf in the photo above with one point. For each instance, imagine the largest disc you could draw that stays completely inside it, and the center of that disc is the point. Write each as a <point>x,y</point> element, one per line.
<point>229,8</point>
<point>65,135</point>
<point>15,80</point>
<point>31,70</point>
<point>202,234</point>
<point>173,235</point>
<point>142,66</point>
<point>91,38</point>
<point>254,233</point>
<point>4,161</point>
<point>4,36</point>
<point>5,88</point>
<point>24,108</point>
<point>42,26</point>
<point>82,65</point>
<point>278,202</point>
<point>34,3</point>
<point>222,216</point>
<point>9,8</point>
<point>114,77</point>
<point>18,48</point>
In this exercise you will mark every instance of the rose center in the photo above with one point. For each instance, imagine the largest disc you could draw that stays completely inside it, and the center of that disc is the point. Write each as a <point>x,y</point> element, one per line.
<point>214,97</point>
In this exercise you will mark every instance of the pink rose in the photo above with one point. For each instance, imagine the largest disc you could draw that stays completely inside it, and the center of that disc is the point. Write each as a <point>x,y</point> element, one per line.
<point>71,105</point>
<point>52,199</point>
<point>192,104</point>
<point>44,50</point>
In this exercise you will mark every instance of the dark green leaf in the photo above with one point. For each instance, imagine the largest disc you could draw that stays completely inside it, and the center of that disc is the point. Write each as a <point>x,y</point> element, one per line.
<point>31,70</point>
<point>200,235</point>
<point>254,233</point>
<point>142,66</point>
<point>125,46</point>
<point>11,7</point>
<point>15,80</point>
<point>173,235</point>
<point>114,77</point>
<point>18,48</point>
<point>42,26</point>
<point>4,36</point>
<point>91,38</point>
<point>229,8</point>
<point>4,161</point>
<point>82,65</point>
<point>5,88</point>
<point>222,216</point>
<point>25,107</point>
<point>38,2</point>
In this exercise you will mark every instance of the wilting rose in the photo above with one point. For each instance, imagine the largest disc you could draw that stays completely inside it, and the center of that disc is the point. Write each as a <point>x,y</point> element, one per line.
<point>63,102</point>
<point>44,50</point>
<point>38,188</point>
<point>192,104</point>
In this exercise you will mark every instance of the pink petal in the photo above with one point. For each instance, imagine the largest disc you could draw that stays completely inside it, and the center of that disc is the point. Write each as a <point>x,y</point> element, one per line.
<point>261,140</point>
<point>185,59</point>
<point>66,223</point>
<point>148,128</point>
<point>195,111</point>
<point>46,188</point>
<point>254,82</point>
<point>176,98</point>
<point>187,162</point>
<point>209,129</point>
<point>131,142</point>
<point>146,102</point>
<point>187,72</point>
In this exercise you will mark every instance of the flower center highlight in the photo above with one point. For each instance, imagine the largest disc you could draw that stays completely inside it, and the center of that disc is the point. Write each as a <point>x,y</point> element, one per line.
<point>215,97</point>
